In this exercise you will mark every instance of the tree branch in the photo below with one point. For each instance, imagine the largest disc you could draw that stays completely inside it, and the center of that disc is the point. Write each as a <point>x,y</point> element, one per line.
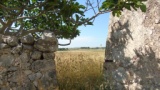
<point>6,27</point>
<point>8,9</point>
<point>98,4</point>
<point>34,6</point>
<point>101,12</point>
<point>31,17</point>
<point>2,22</point>
<point>30,31</point>
<point>92,6</point>
<point>65,44</point>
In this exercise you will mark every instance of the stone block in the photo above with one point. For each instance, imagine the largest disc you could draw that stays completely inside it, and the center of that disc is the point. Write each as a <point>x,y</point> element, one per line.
<point>43,65</point>
<point>120,75</point>
<point>48,56</point>
<point>27,72</point>
<point>25,57</point>
<point>27,48</point>
<point>7,60</point>
<point>47,43</point>
<point>36,55</point>
<point>28,39</point>
<point>10,40</point>
<point>32,77</point>
<point>4,46</point>
<point>46,46</point>
<point>17,49</point>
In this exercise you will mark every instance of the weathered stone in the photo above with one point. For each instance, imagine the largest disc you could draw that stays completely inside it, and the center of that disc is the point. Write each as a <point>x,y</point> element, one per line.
<point>3,46</point>
<point>11,69</point>
<point>17,49</point>
<point>10,40</point>
<point>30,86</point>
<point>157,81</point>
<point>27,72</point>
<point>157,21</point>
<point>38,75</point>
<point>5,51</point>
<point>133,43</point>
<point>17,61</point>
<point>32,77</point>
<point>48,56</point>
<point>49,36</point>
<point>1,38</point>
<point>35,83</point>
<point>46,46</point>
<point>18,68</point>
<point>1,82</point>
<point>120,75</point>
<point>16,77</point>
<point>43,65</point>
<point>28,39</point>
<point>49,80</point>
<point>36,55</point>
<point>3,70</point>
<point>48,43</point>
<point>25,65</point>
<point>27,48</point>
<point>4,88</point>
<point>7,60</point>
<point>25,57</point>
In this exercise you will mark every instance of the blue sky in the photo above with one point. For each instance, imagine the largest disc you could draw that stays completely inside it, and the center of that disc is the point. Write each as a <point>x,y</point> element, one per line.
<point>93,35</point>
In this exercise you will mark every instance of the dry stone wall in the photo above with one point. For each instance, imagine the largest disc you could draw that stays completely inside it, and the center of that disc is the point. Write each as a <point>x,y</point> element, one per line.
<point>28,64</point>
<point>134,45</point>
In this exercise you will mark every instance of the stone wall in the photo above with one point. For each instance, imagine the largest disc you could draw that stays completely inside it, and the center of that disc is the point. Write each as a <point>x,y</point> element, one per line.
<point>134,45</point>
<point>28,64</point>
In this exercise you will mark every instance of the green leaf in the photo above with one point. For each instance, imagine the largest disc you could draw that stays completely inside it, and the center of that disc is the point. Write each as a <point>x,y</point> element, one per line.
<point>113,13</point>
<point>77,17</point>
<point>143,8</point>
<point>134,8</point>
<point>128,7</point>
<point>89,23</point>
<point>139,3</point>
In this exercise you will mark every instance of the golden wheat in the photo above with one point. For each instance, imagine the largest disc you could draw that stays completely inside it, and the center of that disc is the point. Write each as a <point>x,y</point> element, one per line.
<point>79,70</point>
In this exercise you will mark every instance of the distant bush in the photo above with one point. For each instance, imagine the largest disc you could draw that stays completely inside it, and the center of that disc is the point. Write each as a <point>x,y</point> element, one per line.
<point>85,47</point>
<point>63,49</point>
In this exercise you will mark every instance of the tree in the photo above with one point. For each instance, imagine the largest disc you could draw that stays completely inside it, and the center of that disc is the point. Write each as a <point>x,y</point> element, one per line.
<point>116,6</point>
<point>63,17</point>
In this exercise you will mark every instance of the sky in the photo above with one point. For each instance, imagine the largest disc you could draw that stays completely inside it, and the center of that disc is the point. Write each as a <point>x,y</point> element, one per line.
<point>92,35</point>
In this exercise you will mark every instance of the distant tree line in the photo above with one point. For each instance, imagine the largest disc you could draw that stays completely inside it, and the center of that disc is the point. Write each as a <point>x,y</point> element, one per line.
<point>65,49</point>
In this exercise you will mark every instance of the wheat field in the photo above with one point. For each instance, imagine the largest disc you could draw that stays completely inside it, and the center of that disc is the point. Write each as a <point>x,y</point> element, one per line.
<point>80,69</point>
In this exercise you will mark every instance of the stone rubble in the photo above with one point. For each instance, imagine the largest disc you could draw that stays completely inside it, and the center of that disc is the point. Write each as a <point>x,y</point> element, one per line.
<point>28,64</point>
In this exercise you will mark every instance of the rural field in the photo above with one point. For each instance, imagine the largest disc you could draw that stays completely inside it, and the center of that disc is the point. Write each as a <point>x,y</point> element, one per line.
<point>80,69</point>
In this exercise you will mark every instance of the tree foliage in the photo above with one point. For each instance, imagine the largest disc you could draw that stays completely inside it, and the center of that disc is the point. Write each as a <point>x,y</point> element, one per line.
<point>116,6</point>
<point>63,17</point>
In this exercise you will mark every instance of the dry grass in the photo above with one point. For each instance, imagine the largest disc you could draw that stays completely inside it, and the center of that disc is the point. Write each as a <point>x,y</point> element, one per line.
<point>80,70</point>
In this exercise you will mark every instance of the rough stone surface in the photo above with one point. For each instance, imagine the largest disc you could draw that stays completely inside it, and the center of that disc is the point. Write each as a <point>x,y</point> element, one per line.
<point>3,46</point>
<point>48,55</point>
<point>17,49</point>
<point>45,46</point>
<point>134,44</point>
<point>48,42</point>
<point>36,55</point>
<point>6,60</point>
<point>28,39</point>
<point>25,67</point>
<point>1,39</point>
<point>10,40</point>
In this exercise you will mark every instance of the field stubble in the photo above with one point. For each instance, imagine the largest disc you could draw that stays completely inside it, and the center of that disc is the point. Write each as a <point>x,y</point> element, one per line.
<point>80,70</point>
